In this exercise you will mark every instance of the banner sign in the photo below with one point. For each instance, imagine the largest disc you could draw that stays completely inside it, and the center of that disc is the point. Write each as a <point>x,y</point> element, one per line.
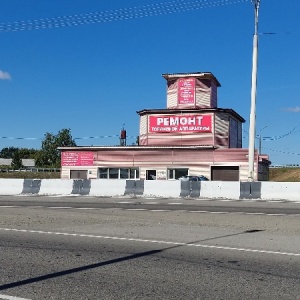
<point>77,158</point>
<point>180,123</point>
<point>186,91</point>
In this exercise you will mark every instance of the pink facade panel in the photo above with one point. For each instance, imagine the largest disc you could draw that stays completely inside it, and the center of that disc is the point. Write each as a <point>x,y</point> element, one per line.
<point>191,92</point>
<point>221,130</point>
<point>177,140</point>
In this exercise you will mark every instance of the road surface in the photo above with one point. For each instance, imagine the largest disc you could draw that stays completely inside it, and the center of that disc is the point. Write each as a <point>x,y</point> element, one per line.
<point>104,248</point>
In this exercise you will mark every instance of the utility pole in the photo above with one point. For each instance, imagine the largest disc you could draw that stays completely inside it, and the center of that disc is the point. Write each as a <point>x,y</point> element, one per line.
<point>252,126</point>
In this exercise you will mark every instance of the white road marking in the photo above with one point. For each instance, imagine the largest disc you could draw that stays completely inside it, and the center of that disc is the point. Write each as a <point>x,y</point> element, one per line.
<point>8,206</point>
<point>159,210</point>
<point>227,200</point>
<point>5,297</point>
<point>219,212</point>
<point>60,207</point>
<point>124,202</point>
<point>148,241</point>
<point>255,213</point>
<point>86,208</point>
<point>199,211</point>
<point>276,214</point>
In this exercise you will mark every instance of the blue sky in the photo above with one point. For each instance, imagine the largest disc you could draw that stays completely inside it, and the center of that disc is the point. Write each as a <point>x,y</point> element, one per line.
<point>93,78</point>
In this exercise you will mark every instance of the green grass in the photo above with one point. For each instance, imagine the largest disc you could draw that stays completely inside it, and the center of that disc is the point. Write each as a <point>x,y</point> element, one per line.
<point>30,175</point>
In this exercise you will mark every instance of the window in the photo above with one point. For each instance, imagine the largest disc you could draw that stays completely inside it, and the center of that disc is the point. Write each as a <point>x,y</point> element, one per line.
<point>103,172</point>
<point>134,173</point>
<point>124,173</point>
<point>113,173</point>
<point>177,173</point>
<point>119,173</point>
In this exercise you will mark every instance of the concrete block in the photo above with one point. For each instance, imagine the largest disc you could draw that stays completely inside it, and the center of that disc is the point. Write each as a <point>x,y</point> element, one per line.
<point>250,190</point>
<point>280,191</point>
<point>162,188</point>
<point>11,186</point>
<point>107,187</point>
<point>31,186</point>
<point>56,187</point>
<point>220,189</point>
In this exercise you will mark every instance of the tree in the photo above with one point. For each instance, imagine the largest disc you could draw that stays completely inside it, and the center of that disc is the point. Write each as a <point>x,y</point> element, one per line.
<point>8,152</point>
<point>27,153</point>
<point>49,155</point>
<point>16,161</point>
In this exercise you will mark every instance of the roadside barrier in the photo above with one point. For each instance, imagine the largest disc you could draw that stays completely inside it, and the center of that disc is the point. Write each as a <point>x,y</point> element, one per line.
<point>153,188</point>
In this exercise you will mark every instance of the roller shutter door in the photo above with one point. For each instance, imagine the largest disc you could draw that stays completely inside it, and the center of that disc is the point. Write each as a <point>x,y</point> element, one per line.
<point>225,173</point>
<point>78,174</point>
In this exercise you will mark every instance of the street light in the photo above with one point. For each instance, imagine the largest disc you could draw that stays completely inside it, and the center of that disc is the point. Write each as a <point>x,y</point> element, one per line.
<point>260,139</point>
<point>253,95</point>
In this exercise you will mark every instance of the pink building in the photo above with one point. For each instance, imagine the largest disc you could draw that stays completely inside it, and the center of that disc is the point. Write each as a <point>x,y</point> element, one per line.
<point>191,136</point>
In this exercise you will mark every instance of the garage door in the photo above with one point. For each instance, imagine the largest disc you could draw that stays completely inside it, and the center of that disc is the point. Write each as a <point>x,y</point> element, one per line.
<point>78,174</point>
<point>225,173</point>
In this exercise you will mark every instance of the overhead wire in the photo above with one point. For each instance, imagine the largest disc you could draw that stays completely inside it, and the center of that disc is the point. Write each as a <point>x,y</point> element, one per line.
<point>155,9</point>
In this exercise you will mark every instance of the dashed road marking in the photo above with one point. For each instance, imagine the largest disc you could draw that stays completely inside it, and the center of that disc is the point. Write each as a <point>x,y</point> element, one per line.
<point>60,207</point>
<point>154,210</point>
<point>6,297</point>
<point>86,208</point>
<point>148,241</point>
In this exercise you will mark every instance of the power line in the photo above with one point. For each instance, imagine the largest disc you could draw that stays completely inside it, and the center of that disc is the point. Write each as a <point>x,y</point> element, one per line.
<point>150,10</point>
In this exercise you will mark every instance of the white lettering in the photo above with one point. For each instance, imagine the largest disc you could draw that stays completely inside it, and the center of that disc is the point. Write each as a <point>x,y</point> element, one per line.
<point>159,121</point>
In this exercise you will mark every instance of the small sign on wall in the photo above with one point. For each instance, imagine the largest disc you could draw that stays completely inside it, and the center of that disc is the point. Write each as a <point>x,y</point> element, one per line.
<point>186,91</point>
<point>77,158</point>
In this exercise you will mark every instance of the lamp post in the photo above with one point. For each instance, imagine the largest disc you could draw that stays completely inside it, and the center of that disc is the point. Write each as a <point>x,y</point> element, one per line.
<point>253,95</point>
<point>260,139</point>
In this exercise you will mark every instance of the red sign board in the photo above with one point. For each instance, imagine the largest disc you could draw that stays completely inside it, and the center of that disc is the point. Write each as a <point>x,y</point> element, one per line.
<point>186,91</point>
<point>77,158</point>
<point>180,123</point>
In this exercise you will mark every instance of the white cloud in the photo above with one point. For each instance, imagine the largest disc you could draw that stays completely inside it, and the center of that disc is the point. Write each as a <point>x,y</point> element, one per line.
<point>4,75</point>
<point>293,109</point>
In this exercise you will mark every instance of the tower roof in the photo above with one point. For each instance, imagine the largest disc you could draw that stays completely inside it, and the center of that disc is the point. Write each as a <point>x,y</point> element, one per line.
<point>201,75</point>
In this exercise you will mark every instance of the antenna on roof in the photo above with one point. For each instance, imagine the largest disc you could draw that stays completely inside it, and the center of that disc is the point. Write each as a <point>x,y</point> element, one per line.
<point>123,136</point>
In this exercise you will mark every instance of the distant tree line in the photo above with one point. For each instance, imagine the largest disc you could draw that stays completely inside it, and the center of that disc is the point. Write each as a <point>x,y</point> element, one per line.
<point>46,157</point>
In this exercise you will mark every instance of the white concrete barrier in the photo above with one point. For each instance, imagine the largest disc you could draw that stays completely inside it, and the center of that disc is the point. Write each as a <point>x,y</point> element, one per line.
<point>162,188</point>
<point>56,187</point>
<point>220,189</point>
<point>289,191</point>
<point>107,187</point>
<point>11,186</point>
<point>280,191</point>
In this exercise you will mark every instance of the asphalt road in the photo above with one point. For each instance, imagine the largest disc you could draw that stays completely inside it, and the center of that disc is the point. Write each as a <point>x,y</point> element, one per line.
<point>96,248</point>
